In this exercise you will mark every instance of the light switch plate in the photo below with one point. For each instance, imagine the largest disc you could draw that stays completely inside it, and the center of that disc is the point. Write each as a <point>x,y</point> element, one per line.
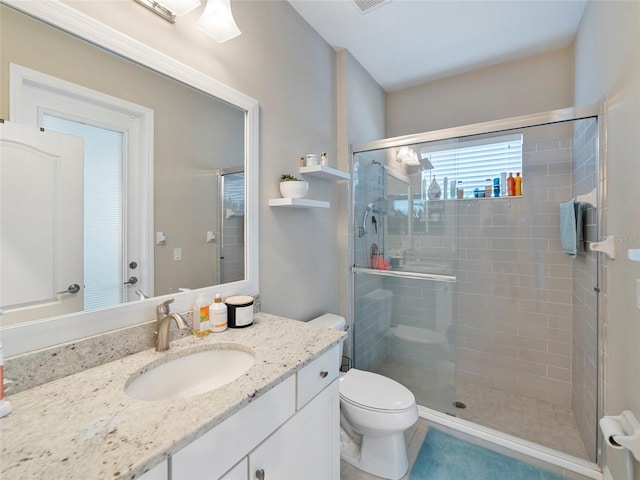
<point>177,254</point>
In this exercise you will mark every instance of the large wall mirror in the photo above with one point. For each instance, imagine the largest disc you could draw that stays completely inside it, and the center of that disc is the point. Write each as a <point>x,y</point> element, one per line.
<point>181,212</point>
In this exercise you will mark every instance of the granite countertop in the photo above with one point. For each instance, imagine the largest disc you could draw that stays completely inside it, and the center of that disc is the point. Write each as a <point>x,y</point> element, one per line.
<point>85,427</point>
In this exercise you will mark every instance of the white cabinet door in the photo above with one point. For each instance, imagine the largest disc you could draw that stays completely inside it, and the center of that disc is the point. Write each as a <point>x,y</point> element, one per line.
<point>159,472</point>
<point>217,451</point>
<point>239,472</point>
<point>307,446</point>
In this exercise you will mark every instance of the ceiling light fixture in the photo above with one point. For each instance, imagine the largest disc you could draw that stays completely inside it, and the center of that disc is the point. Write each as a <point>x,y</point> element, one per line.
<point>180,7</point>
<point>158,9</point>
<point>217,21</point>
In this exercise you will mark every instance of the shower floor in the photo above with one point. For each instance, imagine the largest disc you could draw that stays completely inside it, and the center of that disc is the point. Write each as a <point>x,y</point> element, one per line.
<point>524,417</point>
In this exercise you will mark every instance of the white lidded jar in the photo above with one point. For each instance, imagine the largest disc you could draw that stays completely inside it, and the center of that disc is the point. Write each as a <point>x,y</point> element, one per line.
<point>218,315</point>
<point>201,316</point>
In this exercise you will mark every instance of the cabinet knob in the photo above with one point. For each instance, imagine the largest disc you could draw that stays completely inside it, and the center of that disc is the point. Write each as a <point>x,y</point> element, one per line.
<point>323,374</point>
<point>260,474</point>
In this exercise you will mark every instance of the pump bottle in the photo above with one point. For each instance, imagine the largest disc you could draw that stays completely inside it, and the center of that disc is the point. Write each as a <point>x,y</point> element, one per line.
<point>218,315</point>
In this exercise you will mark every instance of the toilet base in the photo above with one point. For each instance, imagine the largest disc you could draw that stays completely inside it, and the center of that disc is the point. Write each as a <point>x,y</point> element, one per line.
<point>384,456</point>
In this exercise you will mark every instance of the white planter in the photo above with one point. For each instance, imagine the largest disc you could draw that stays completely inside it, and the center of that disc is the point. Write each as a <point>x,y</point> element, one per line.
<point>294,189</point>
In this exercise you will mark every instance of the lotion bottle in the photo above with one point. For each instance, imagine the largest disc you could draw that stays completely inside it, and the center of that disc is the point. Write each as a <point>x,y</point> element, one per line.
<point>218,311</point>
<point>201,316</point>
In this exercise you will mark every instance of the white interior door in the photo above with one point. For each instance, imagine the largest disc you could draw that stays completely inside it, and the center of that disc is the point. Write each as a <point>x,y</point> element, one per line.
<point>41,223</point>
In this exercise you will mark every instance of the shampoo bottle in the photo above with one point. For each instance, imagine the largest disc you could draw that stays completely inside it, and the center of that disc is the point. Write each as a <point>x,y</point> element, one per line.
<point>218,311</point>
<point>511,185</point>
<point>518,185</point>
<point>201,316</point>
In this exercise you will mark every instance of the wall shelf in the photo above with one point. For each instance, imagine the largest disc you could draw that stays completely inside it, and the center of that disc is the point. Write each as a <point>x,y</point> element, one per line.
<point>325,173</point>
<point>297,203</point>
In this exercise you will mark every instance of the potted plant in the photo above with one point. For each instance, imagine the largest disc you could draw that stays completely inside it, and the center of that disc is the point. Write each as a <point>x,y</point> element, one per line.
<point>292,187</point>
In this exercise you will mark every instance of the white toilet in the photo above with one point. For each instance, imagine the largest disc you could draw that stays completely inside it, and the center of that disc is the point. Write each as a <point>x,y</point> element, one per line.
<point>375,411</point>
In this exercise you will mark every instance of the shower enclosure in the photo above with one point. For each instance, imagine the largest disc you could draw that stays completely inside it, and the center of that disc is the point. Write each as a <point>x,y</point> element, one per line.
<point>231,186</point>
<point>464,293</point>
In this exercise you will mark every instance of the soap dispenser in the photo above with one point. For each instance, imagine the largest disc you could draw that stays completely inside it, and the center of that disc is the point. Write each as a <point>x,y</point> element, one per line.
<point>218,311</point>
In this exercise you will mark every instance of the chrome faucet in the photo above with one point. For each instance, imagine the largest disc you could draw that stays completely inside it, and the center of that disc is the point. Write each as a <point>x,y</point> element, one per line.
<point>163,322</point>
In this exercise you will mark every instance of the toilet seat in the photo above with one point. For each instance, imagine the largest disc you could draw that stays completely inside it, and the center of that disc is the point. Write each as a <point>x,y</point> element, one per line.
<point>375,392</point>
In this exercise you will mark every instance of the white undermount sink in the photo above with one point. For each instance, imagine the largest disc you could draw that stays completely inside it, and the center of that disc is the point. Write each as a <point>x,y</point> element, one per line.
<point>189,374</point>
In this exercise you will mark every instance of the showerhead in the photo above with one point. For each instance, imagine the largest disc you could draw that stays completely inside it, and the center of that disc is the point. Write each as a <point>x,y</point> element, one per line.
<point>425,164</point>
<point>362,231</point>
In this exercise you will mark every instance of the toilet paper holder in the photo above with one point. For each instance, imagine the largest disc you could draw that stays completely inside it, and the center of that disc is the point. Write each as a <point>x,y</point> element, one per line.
<point>622,431</point>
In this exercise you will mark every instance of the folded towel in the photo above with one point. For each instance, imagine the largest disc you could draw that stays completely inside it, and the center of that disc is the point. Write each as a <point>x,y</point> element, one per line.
<point>571,235</point>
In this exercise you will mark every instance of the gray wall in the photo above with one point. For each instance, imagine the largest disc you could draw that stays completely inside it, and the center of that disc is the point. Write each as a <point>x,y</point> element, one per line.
<point>608,68</point>
<point>533,84</point>
<point>361,118</point>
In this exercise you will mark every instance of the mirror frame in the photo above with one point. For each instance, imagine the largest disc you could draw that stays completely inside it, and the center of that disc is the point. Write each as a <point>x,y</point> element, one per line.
<point>23,338</point>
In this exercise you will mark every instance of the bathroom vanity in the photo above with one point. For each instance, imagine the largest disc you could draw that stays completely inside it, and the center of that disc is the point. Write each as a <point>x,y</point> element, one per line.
<point>280,419</point>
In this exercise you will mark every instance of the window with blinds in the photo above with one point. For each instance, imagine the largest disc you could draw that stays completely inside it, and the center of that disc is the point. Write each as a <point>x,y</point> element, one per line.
<point>473,161</point>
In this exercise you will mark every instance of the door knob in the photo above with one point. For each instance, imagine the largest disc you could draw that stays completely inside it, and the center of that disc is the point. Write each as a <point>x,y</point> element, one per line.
<point>132,281</point>
<point>73,288</point>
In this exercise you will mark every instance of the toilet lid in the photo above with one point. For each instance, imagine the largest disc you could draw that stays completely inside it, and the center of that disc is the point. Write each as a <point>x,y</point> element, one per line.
<point>374,391</point>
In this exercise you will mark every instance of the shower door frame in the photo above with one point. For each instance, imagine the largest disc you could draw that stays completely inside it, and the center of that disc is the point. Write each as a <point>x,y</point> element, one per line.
<point>597,111</point>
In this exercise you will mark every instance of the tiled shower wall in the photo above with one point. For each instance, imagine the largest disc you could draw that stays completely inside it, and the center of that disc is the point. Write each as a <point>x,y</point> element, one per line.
<point>585,303</point>
<point>372,300</point>
<point>524,312</point>
<point>514,295</point>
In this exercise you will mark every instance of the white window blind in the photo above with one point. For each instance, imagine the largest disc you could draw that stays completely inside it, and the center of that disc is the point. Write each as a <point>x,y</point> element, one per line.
<point>473,161</point>
<point>103,210</point>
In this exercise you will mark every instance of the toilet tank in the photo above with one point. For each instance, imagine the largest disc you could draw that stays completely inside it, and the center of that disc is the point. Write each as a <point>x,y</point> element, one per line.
<point>336,322</point>
<point>330,320</point>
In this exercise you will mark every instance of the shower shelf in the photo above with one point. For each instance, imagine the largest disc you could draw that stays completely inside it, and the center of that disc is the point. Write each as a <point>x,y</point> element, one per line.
<point>325,173</point>
<point>297,203</point>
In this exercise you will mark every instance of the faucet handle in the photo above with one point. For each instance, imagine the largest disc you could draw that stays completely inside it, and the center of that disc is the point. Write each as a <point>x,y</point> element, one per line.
<point>164,308</point>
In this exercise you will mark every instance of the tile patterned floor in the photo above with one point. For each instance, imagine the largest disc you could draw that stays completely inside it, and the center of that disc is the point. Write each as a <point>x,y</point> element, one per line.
<point>528,418</point>
<point>525,417</point>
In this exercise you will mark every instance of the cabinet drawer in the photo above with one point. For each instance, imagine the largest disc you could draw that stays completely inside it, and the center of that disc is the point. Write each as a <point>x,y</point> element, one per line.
<point>317,375</point>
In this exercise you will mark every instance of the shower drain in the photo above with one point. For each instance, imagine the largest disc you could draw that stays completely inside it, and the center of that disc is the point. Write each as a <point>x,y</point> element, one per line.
<point>459,404</point>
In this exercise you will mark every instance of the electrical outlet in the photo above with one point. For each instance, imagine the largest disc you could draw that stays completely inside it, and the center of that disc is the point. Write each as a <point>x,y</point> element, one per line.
<point>177,254</point>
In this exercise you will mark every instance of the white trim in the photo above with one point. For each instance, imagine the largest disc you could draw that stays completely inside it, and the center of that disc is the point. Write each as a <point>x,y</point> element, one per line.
<point>607,474</point>
<point>43,333</point>
<point>517,445</point>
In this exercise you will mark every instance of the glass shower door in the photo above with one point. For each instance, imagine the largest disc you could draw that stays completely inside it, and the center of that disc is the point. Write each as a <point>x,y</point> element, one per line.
<point>405,264</point>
